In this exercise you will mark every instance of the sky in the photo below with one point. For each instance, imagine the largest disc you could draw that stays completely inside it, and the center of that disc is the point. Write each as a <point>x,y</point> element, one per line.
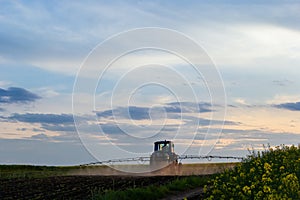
<point>243,95</point>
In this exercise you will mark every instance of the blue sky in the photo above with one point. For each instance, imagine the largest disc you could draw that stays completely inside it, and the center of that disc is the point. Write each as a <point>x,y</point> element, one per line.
<point>255,46</point>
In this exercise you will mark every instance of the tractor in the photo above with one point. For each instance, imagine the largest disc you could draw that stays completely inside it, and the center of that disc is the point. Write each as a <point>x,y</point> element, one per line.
<point>163,155</point>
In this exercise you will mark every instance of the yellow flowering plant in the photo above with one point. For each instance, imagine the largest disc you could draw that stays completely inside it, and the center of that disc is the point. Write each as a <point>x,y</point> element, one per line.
<point>270,174</point>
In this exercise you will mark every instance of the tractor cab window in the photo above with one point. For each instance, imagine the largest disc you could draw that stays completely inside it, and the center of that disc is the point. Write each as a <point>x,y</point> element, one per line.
<point>162,147</point>
<point>165,147</point>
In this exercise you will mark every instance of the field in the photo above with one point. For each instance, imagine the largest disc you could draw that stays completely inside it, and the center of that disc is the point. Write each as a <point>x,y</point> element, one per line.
<point>71,187</point>
<point>84,182</point>
<point>270,174</point>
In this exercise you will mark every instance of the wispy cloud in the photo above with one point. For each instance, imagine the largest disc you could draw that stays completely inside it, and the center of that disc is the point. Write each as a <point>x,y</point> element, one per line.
<point>43,118</point>
<point>283,82</point>
<point>131,112</point>
<point>141,113</point>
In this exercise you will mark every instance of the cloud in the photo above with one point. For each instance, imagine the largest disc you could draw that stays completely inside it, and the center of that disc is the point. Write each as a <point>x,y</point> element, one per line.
<point>156,122</point>
<point>17,95</point>
<point>63,137</point>
<point>21,129</point>
<point>43,118</point>
<point>40,136</point>
<point>241,101</point>
<point>186,107</point>
<point>59,127</point>
<point>111,129</point>
<point>283,83</point>
<point>38,130</point>
<point>68,36</point>
<point>289,106</point>
<point>132,112</point>
<point>147,113</point>
<point>58,123</point>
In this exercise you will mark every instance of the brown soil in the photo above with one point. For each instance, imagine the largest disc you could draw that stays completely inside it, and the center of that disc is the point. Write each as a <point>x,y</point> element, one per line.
<point>83,182</point>
<point>72,187</point>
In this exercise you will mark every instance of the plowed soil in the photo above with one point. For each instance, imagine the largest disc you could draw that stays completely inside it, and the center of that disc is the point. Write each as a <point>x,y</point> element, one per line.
<point>72,187</point>
<point>83,182</point>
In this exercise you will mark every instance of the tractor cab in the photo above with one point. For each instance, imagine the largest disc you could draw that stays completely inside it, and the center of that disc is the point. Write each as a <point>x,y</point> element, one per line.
<point>166,146</point>
<point>163,154</point>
